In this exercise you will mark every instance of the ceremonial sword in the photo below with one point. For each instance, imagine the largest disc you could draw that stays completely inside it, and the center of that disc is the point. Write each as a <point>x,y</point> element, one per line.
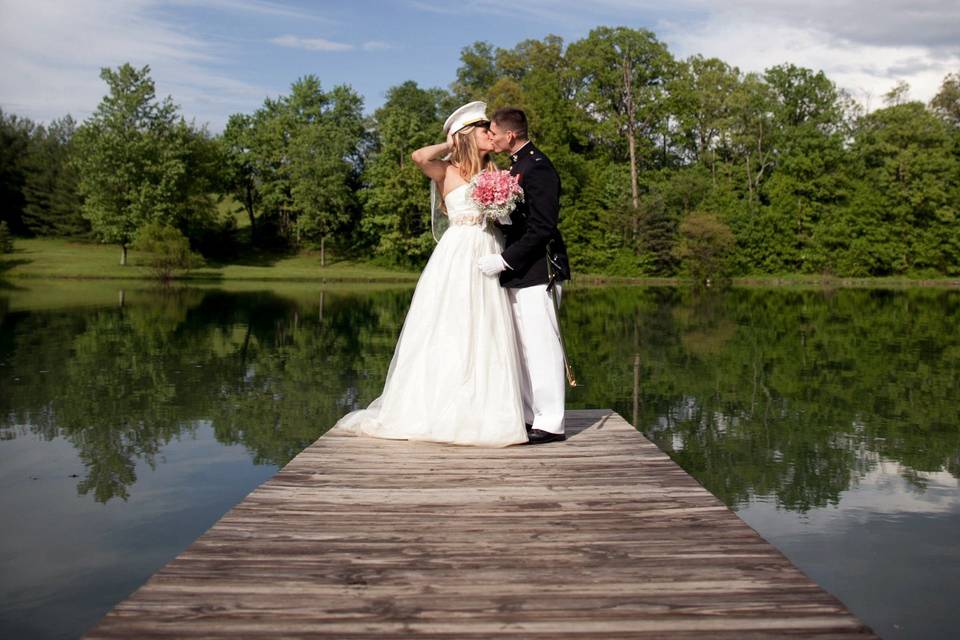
<point>552,271</point>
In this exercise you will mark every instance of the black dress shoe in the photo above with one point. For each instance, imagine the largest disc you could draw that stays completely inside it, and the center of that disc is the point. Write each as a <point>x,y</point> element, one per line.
<point>529,427</point>
<point>539,436</point>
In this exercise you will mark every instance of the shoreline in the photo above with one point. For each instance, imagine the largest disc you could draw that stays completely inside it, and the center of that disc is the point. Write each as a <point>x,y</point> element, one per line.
<point>65,260</point>
<point>589,280</point>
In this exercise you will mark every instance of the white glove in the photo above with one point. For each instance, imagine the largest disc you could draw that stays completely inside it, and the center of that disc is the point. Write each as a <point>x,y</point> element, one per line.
<point>492,265</point>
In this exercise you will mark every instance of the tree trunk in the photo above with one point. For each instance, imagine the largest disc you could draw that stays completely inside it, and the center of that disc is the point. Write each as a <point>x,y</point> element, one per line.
<point>761,162</point>
<point>246,345</point>
<point>634,190</point>
<point>636,390</point>
<point>123,255</point>
<point>632,143</point>
<point>323,248</point>
<point>248,205</point>
<point>631,136</point>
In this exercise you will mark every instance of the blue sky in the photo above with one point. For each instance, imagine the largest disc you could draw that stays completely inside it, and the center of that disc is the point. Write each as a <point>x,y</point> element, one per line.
<point>217,57</point>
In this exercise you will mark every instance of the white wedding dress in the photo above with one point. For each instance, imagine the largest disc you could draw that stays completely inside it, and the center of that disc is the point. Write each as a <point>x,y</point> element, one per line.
<point>455,373</point>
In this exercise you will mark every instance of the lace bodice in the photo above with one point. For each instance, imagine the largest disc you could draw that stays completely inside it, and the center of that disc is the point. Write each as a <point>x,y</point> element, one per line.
<point>461,210</point>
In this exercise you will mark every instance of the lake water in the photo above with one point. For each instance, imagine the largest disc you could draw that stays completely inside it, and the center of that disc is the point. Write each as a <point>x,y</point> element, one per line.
<point>131,419</point>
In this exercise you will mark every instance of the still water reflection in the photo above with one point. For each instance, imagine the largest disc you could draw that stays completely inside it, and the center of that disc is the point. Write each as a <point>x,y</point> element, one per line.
<point>129,424</point>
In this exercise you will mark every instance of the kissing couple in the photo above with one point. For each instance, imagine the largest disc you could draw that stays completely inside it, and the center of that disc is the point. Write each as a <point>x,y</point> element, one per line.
<point>479,360</point>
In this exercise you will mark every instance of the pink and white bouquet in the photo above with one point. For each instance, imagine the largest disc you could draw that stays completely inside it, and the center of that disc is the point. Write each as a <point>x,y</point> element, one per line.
<point>496,193</point>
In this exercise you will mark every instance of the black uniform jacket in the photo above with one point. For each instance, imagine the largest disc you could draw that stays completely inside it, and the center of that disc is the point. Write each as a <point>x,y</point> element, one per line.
<point>533,227</point>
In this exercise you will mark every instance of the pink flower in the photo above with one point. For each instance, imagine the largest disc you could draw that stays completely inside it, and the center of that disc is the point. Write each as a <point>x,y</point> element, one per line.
<point>496,193</point>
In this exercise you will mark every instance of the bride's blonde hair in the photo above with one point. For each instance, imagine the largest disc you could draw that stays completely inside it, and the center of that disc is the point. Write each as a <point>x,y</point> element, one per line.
<point>467,157</point>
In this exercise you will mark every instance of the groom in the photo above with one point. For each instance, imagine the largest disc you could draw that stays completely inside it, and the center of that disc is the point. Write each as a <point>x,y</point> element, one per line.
<point>532,240</point>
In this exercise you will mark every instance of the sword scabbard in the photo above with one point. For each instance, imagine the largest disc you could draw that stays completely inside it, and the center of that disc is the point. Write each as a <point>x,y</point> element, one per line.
<point>552,289</point>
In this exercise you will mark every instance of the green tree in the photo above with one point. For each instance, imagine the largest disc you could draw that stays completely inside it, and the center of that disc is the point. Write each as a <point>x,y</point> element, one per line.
<point>946,103</point>
<point>137,161</point>
<point>51,195</point>
<point>271,132</point>
<point>672,195</point>
<point>240,174</point>
<point>477,72</point>
<point>298,157</point>
<point>899,94</point>
<point>6,238</point>
<point>903,213</point>
<point>15,134</point>
<point>807,184</point>
<point>619,80</point>
<point>753,133</point>
<point>202,184</point>
<point>596,218</point>
<point>396,201</point>
<point>705,247</point>
<point>325,166</point>
<point>545,89</point>
<point>700,98</point>
<point>804,97</point>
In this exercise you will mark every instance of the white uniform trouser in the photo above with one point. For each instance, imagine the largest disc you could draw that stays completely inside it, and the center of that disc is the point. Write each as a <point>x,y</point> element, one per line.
<point>541,356</point>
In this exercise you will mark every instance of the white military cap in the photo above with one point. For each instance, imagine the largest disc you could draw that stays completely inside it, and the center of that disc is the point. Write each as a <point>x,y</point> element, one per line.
<point>468,114</point>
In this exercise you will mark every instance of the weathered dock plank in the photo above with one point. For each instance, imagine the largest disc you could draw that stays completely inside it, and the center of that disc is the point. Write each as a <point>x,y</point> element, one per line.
<point>602,536</point>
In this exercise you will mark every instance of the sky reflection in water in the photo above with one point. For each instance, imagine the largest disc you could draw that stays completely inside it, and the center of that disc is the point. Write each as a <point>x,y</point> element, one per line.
<point>888,548</point>
<point>67,559</point>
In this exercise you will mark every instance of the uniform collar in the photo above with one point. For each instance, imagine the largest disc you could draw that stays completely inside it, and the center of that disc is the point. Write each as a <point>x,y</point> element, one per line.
<point>516,154</point>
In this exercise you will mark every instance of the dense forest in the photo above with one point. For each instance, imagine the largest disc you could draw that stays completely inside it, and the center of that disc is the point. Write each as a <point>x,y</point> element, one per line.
<point>668,166</point>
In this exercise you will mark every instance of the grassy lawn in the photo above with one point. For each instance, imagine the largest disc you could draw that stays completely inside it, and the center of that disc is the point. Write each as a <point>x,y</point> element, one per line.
<point>55,258</point>
<point>47,258</point>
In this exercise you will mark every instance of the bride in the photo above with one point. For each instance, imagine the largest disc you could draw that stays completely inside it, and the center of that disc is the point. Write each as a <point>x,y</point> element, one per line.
<point>455,373</point>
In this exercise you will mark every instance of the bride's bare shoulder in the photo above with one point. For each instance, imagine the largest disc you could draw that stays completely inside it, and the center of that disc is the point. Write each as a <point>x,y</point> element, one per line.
<point>451,174</point>
<point>451,179</point>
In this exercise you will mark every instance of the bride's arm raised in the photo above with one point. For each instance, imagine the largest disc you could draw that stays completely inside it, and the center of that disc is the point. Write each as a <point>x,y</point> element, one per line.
<point>427,159</point>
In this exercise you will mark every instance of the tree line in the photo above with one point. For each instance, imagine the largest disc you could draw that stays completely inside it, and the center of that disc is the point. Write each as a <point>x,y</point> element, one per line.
<point>668,165</point>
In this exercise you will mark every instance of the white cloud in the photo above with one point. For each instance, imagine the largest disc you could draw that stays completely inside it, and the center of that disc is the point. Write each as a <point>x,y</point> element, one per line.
<point>865,46</point>
<point>865,70</point>
<point>884,491</point>
<point>927,23</point>
<point>376,45</point>
<point>52,50</point>
<point>894,23</point>
<point>439,8</point>
<point>259,7</point>
<point>311,44</point>
<point>322,44</point>
<point>52,53</point>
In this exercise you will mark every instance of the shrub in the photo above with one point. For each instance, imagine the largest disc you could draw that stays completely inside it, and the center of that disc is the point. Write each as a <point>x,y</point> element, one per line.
<point>168,249</point>
<point>6,238</point>
<point>706,244</point>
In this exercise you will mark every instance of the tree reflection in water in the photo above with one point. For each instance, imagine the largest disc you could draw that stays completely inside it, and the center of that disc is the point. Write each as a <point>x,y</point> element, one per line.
<point>784,393</point>
<point>792,394</point>
<point>119,383</point>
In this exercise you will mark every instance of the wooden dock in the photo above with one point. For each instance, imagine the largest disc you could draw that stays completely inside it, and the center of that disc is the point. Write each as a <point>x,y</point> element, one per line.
<point>602,536</point>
